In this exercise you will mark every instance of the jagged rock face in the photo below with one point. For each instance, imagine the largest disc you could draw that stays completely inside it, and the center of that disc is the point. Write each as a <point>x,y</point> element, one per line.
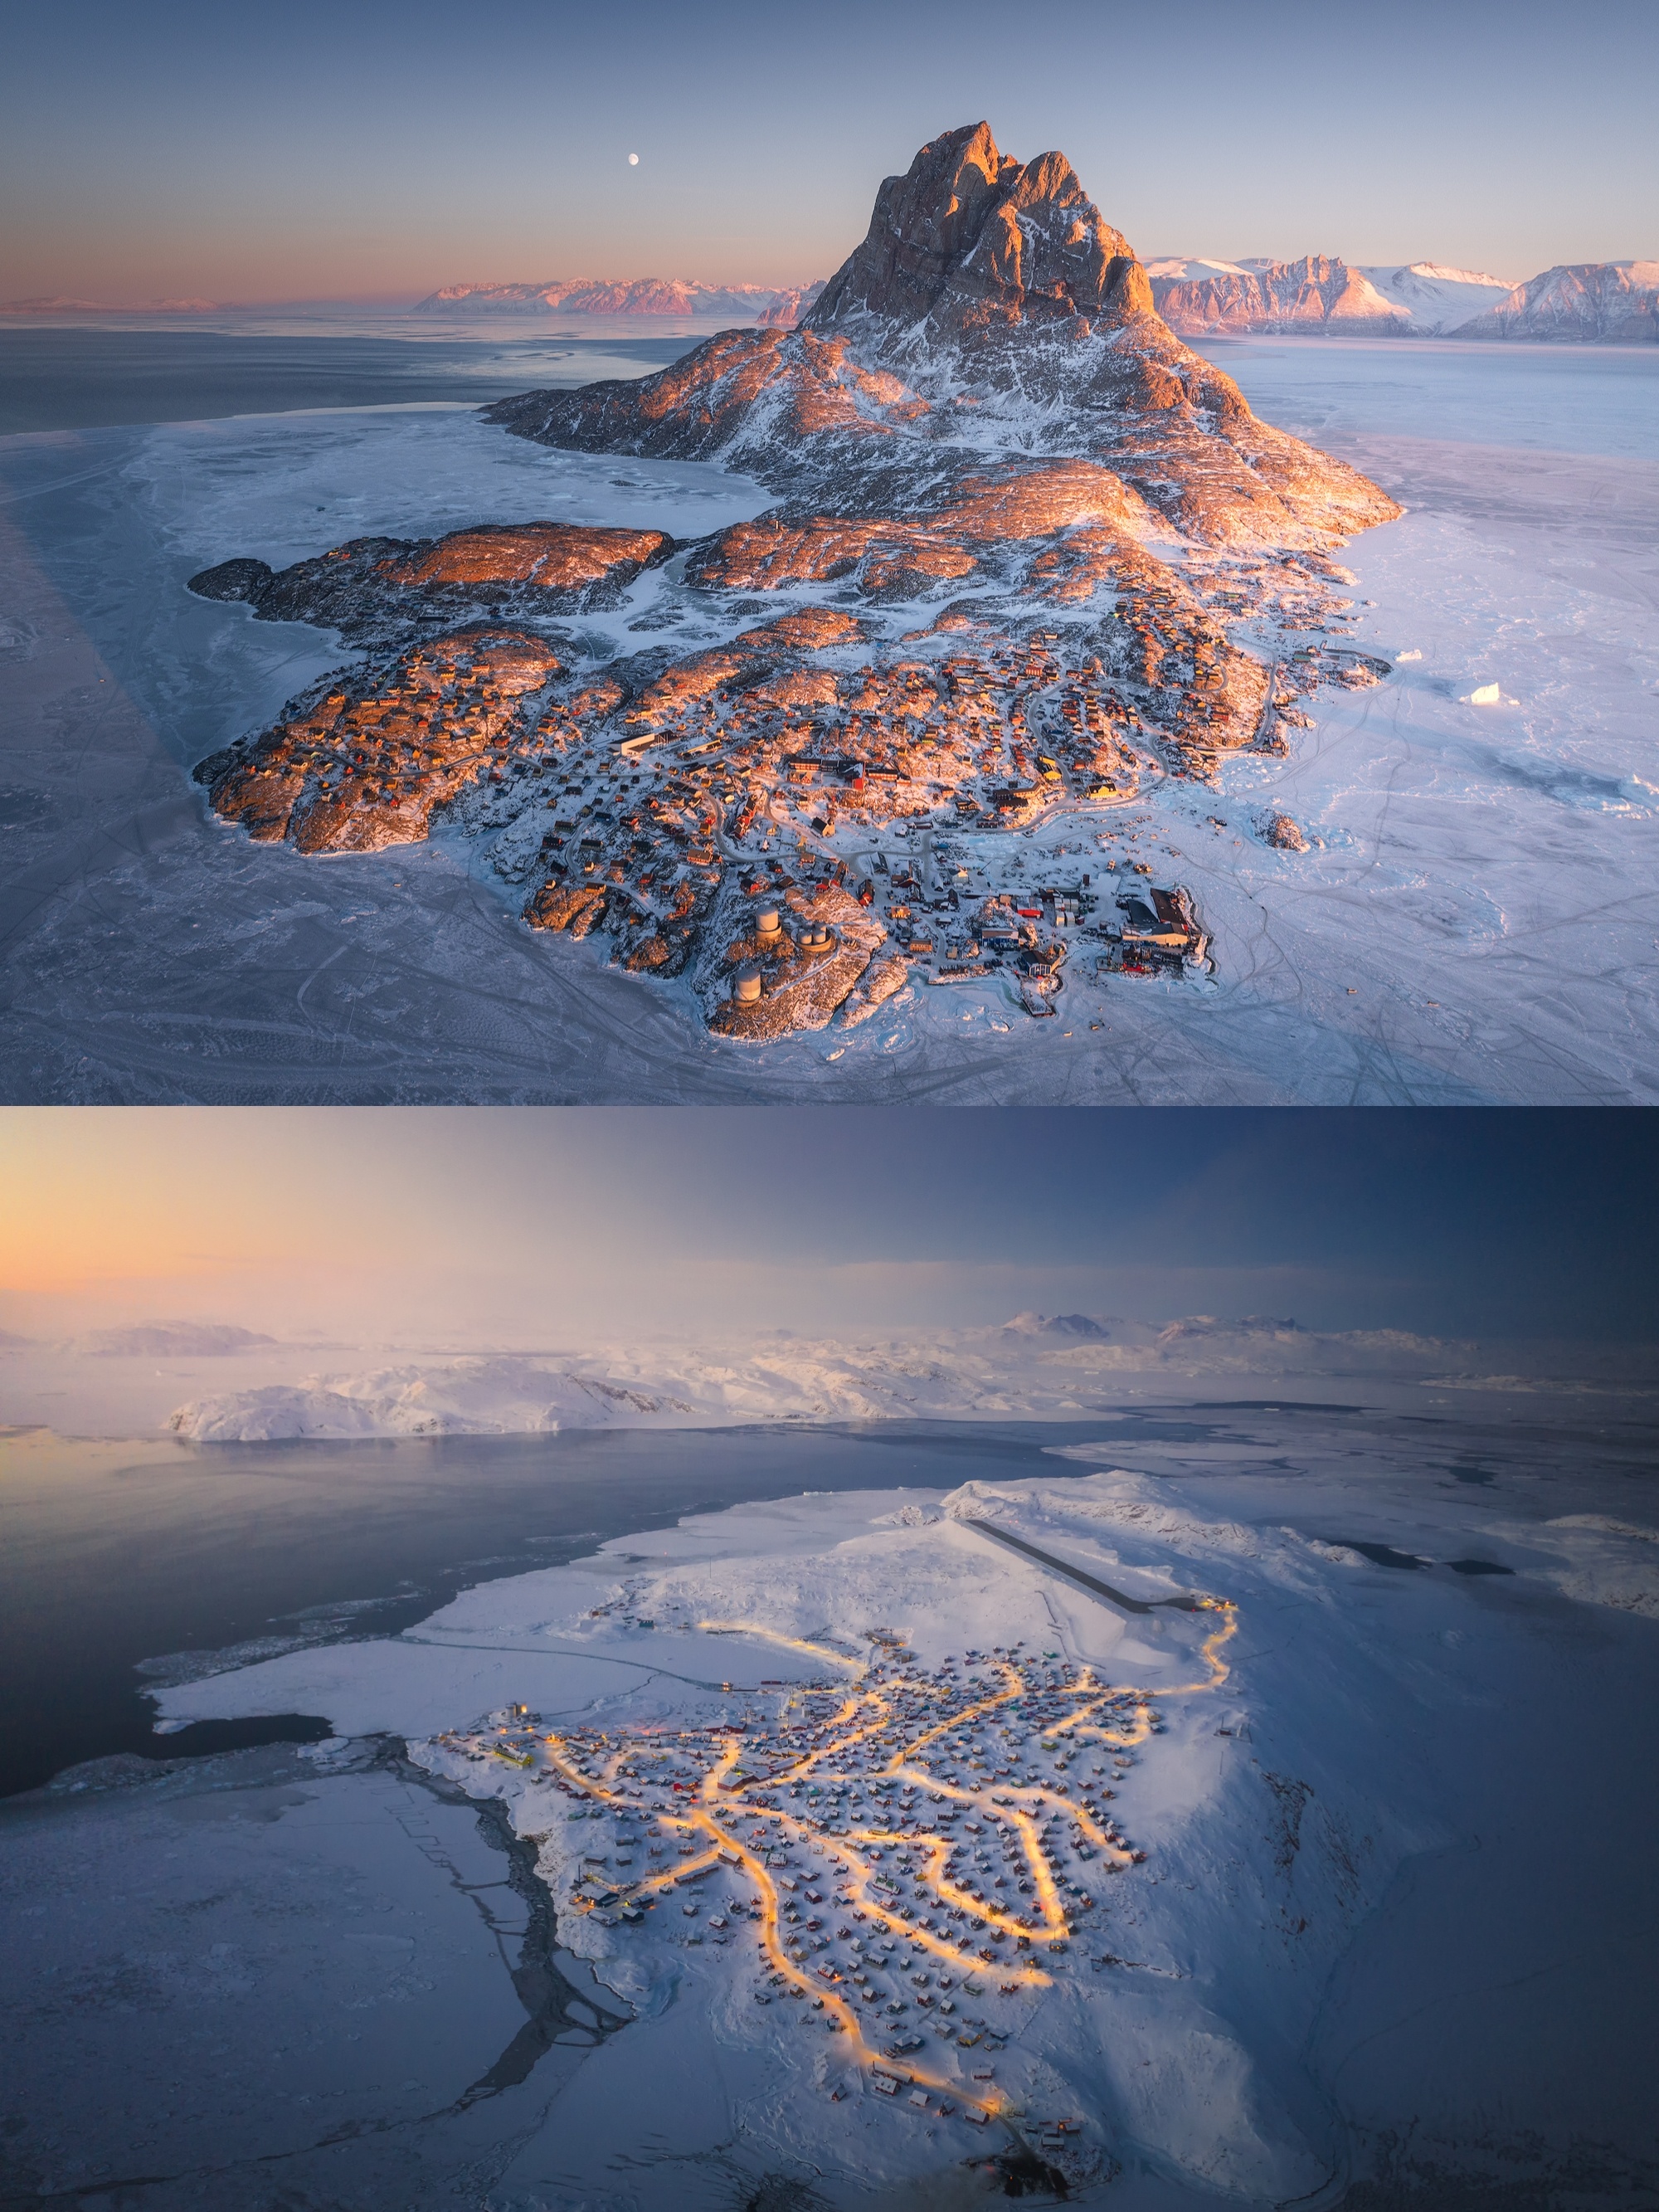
<point>991,316</point>
<point>1017,518</point>
<point>375,589</point>
<point>1609,302</point>
<point>1318,292</point>
<point>969,240</point>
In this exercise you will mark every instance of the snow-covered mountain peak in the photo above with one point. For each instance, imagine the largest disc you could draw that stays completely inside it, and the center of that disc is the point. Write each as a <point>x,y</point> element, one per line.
<point>1179,268</point>
<point>1436,299</point>
<point>1442,274</point>
<point>1073,1325</point>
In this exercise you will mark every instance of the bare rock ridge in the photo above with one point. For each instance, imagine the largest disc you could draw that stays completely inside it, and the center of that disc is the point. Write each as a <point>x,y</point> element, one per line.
<point>1018,525</point>
<point>381,590</point>
<point>970,240</point>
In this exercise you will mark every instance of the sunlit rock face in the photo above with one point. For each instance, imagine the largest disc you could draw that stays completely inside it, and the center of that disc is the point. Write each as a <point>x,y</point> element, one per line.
<point>970,240</point>
<point>364,760</point>
<point>378,588</point>
<point>1317,292</point>
<point>991,314</point>
<point>1608,303</point>
<point>1017,523</point>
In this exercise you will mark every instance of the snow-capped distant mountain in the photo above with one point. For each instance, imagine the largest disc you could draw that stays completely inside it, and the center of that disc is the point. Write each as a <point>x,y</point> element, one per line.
<point>175,1339</point>
<point>57,305</point>
<point>1437,300</point>
<point>1037,1366</point>
<point>1037,1324</point>
<point>771,305</point>
<point>1608,303</point>
<point>1174,269</point>
<point>1611,302</point>
<point>1318,292</point>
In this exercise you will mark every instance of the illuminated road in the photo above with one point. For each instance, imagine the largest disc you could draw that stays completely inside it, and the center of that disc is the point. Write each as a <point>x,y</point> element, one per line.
<point>837,1781</point>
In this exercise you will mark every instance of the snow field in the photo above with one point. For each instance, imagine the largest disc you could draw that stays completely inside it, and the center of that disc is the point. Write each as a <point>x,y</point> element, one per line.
<point>1268,1787</point>
<point>1441,940</point>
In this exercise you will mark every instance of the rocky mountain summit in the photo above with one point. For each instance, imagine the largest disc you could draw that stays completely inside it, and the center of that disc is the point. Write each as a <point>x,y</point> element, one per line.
<point>1018,525</point>
<point>1607,302</point>
<point>991,317</point>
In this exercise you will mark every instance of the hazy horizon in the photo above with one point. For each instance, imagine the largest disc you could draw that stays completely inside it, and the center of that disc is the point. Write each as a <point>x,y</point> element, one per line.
<point>479,1225</point>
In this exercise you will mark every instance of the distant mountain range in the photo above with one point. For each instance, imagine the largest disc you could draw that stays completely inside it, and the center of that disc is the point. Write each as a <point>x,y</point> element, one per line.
<point>1593,302</point>
<point>56,304</point>
<point>773,307</point>
<point>1610,302</point>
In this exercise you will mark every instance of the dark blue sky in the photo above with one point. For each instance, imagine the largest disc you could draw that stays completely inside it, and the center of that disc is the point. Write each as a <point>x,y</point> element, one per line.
<point>392,145</point>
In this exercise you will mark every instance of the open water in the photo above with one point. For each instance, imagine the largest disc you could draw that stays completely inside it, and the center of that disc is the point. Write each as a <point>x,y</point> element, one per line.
<point>93,375</point>
<point>125,1563</point>
<point>112,1554</point>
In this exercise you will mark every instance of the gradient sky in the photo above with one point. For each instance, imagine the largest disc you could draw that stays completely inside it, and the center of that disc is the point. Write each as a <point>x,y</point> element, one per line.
<point>473,1226</point>
<point>389,146</point>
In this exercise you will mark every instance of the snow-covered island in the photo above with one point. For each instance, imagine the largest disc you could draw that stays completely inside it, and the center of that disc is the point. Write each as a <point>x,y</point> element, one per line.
<point>1059,1836</point>
<point>1031,558</point>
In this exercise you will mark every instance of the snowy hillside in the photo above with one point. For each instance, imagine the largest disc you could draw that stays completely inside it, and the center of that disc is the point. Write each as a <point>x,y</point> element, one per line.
<point>1098,1821</point>
<point>1036,1367</point>
<point>1436,300</point>
<point>1609,302</point>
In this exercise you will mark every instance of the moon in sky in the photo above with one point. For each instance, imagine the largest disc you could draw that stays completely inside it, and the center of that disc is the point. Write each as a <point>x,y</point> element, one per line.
<point>633,160</point>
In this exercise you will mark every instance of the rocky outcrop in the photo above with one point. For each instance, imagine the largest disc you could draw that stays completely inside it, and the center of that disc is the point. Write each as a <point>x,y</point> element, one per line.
<point>1588,302</point>
<point>990,313</point>
<point>969,242</point>
<point>805,973</point>
<point>1017,524</point>
<point>365,759</point>
<point>376,589</point>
